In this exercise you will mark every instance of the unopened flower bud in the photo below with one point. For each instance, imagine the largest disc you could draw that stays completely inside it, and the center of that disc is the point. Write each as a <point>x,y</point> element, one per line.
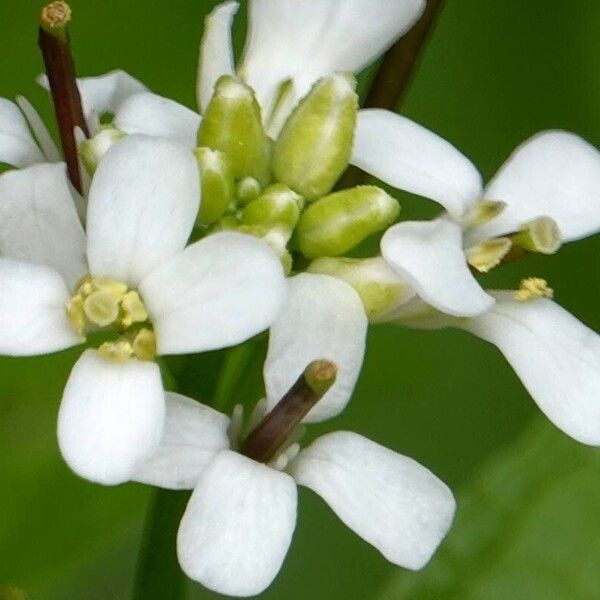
<point>277,206</point>
<point>247,190</point>
<point>92,151</point>
<point>337,223</point>
<point>218,185</point>
<point>314,146</point>
<point>232,123</point>
<point>379,287</point>
<point>541,235</point>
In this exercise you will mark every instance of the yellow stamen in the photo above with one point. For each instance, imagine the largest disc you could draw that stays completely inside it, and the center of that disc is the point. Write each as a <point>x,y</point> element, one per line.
<point>133,309</point>
<point>488,254</point>
<point>119,351</point>
<point>533,288</point>
<point>144,344</point>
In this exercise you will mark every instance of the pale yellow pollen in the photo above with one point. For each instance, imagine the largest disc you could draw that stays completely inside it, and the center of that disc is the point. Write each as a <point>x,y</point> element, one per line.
<point>121,350</point>
<point>488,254</point>
<point>482,212</point>
<point>532,288</point>
<point>144,344</point>
<point>101,308</point>
<point>75,313</point>
<point>103,303</point>
<point>133,309</point>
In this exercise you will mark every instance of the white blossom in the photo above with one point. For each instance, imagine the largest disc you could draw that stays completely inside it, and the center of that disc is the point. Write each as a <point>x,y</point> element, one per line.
<point>214,293</point>
<point>555,176</point>
<point>239,522</point>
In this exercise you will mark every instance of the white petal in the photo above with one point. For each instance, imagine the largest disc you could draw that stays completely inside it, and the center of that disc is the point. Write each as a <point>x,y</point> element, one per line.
<point>154,115</point>
<point>323,318</point>
<point>216,293</point>
<point>40,131</point>
<point>390,500</point>
<point>33,317</point>
<point>39,221</point>
<point>192,437</point>
<point>556,357</point>
<point>17,146</point>
<point>102,94</point>
<point>555,174</point>
<point>407,156</point>
<point>216,51</point>
<point>142,206</point>
<point>238,526</point>
<point>429,255</point>
<point>111,417</point>
<point>305,41</point>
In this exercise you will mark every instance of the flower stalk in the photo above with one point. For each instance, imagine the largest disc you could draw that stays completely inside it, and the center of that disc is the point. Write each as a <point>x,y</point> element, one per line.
<point>58,61</point>
<point>271,434</point>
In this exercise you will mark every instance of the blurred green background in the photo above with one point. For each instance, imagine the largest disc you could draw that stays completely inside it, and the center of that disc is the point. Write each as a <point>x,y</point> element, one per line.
<point>529,517</point>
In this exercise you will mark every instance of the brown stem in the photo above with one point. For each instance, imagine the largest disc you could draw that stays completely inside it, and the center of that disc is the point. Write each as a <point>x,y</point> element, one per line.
<point>60,68</point>
<point>395,74</point>
<point>271,434</point>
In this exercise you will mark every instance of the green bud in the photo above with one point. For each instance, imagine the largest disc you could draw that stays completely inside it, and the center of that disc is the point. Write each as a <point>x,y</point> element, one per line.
<point>336,223</point>
<point>226,223</point>
<point>378,286</point>
<point>314,146</point>
<point>232,123</point>
<point>91,151</point>
<point>277,206</point>
<point>218,186</point>
<point>247,190</point>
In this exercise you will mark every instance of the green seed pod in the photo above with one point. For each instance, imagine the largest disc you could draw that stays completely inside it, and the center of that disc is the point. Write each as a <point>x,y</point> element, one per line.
<point>337,223</point>
<point>314,146</point>
<point>232,123</point>
<point>218,185</point>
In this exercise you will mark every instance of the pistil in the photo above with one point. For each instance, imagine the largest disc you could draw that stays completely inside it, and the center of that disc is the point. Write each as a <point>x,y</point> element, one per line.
<point>273,432</point>
<point>60,68</point>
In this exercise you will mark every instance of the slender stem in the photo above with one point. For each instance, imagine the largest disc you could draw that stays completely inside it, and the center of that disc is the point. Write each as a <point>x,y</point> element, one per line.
<point>393,78</point>
<point>56,50</point>
<point>232,371</point>
<point>159,573</point>
<point>401,61</point>
<point>272,433</point>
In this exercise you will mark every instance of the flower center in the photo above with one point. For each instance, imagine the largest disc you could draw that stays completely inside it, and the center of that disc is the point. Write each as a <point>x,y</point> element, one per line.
<point>104,304</point>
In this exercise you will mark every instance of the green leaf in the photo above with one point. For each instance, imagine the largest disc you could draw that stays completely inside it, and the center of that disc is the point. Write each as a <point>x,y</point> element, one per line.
<point>527,527</point>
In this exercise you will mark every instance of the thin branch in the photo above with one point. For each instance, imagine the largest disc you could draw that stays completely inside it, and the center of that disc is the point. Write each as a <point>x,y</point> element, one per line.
<point>272,433</point>
<point>60,68</point>
<point>395,74</point>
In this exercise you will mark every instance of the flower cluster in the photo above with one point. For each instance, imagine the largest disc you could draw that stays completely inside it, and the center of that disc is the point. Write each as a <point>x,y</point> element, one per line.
<point>197,231</point>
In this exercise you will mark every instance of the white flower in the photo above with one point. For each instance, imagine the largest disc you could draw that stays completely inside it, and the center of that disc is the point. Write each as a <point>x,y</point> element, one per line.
<point>142,205</point>
<point>554,174</point>
<point>240,520</point>
<point>291,44</point>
